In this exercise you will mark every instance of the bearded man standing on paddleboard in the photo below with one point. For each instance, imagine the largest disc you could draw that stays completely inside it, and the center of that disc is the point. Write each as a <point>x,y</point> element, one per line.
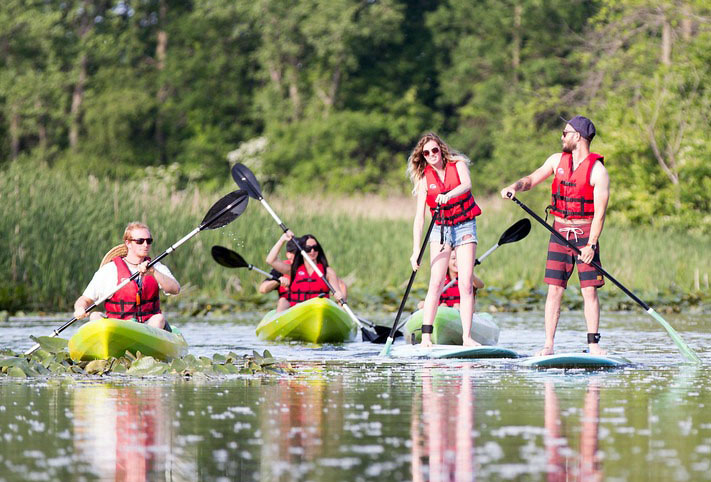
<point>138,300</point>
<point>580,192</point>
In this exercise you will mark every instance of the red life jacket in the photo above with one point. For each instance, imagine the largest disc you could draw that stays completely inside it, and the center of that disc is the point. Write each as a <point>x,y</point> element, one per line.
<point>281,289</point>
<point>459,209</point>
<point>305,286</point>
<point>572,195</point>
<point>133,301</point>
<point>450,296</point>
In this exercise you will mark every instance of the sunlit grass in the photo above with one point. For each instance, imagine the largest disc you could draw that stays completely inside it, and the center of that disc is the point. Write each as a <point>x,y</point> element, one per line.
<point>56,230</point>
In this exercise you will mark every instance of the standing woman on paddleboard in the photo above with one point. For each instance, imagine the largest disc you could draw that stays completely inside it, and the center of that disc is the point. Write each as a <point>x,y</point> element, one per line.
<point>305,282</point>
<point>139,299</point>
<point>441,178</point>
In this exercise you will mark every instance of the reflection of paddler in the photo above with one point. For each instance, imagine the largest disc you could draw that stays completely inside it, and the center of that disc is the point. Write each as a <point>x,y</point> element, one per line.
<point>139,299</point>
<point>117,430</point>
<point>559,466</point>
<point>448,420</point>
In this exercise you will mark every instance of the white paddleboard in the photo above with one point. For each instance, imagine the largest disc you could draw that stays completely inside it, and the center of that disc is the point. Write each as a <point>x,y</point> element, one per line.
<point>575,360</point>
<point>451,351</point>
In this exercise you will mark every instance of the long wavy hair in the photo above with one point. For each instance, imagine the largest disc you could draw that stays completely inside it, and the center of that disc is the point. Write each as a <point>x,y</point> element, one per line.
<point>299,259</point>
<point>416,163</point>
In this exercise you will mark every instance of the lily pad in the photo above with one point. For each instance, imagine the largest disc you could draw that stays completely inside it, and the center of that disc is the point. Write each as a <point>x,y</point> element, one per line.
<point>51,344</point>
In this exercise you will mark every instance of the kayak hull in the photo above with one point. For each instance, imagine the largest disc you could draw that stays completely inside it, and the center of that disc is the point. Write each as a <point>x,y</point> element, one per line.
<point>108,337</point>
<point>318,320</point>
<point>447,328</point>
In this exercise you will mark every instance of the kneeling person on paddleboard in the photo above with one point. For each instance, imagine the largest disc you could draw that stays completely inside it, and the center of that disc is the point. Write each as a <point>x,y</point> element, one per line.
<point>441,181</point>
<point>284,280</point>
<point>580,192</point>
<point>139,299</point>
<point>450,294</point>
<point>305,283</point>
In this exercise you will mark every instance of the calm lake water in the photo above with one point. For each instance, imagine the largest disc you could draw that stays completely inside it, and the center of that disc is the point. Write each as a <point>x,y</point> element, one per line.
<point>349,415</point>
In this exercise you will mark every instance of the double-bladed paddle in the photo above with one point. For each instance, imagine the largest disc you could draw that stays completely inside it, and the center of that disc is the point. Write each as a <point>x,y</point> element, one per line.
<point>391,336</point>
<point>515,232</point>
<point>223,212</point>
<point>688,353</point>
<point>246,180</point>
<point>230,259</point>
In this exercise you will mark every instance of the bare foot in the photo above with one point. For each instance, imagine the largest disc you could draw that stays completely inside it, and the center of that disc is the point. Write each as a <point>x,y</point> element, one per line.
<point>547,350</point>
<point>426,341</point>
<point>469,341</point>
<point>595,349</point>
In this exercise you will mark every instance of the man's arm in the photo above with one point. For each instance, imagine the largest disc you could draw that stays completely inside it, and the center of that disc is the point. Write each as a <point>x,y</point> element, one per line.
<point>536,177</point>
<point>600,180</point>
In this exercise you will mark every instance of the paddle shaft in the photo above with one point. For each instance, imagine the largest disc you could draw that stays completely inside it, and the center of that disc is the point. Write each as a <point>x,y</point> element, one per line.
<point>135,275</point>
<point>683,347</point>
<point>313,265</point>
<point>394,328</point>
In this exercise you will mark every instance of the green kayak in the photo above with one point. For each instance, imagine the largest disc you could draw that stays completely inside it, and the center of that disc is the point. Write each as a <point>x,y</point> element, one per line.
<point>318,320</point>
<point>102,339</point>
<point>447,329</point>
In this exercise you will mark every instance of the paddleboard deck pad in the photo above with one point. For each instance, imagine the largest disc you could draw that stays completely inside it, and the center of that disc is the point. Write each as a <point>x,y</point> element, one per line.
<point>575,360</point>
<point>451,351</point>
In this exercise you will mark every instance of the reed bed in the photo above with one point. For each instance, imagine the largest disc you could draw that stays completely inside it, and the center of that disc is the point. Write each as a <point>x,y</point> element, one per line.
<point>55,230</point>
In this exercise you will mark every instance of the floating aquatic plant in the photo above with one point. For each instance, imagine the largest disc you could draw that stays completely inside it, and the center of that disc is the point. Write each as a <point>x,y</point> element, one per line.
<point>53,359</point>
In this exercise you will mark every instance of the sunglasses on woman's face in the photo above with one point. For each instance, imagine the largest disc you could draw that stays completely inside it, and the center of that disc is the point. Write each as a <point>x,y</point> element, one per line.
<point>426,153</point>
<point>308,249</point>
<point>141,240</point>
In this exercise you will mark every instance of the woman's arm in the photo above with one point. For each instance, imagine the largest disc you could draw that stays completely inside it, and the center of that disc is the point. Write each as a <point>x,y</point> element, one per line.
<point>338,285</point>
<point>273,256</point>
<point>465,183</point>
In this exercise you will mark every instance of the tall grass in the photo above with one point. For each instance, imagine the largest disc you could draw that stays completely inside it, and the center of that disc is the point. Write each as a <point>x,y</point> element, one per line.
<point>54,231</point>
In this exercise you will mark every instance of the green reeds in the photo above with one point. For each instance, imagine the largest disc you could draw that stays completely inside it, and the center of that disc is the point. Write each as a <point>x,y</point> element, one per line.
<point>54,231</point>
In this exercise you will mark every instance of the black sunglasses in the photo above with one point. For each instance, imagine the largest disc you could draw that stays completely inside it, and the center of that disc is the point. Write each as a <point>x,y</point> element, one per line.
<point>141,240</point>
<point>308,249</point>
<point>426,153</point>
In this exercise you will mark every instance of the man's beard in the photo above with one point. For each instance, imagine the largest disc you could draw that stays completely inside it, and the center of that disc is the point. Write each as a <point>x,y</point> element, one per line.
<point>568,148</point>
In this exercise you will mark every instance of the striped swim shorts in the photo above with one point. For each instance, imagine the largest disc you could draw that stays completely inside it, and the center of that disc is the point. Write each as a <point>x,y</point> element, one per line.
<point>562,259</point>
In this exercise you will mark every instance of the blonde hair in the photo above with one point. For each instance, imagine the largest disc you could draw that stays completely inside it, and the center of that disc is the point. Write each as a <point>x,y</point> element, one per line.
<point>131,226</point>
<point>416,163</point>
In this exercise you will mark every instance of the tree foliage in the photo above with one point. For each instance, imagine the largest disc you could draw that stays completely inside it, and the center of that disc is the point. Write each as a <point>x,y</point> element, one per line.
<point>340,90</point>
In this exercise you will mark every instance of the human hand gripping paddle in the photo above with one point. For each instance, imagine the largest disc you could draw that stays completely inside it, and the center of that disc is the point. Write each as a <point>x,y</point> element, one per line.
<point>688,353</point>
<point>246,180</point>
<point>223,212</point>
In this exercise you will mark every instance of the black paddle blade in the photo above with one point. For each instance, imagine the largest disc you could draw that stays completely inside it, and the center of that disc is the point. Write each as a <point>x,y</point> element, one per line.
<point>516,232</point>
<point>383,332</point>
<point>228,258</point>
<point>245,180</point>
<point>225,210</point>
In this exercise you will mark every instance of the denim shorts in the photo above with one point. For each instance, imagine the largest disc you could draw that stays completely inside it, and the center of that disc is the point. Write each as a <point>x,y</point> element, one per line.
<point>454,235</point>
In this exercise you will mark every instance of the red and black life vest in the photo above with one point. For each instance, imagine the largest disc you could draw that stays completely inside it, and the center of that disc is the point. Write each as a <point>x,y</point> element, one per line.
<point>459,209</point>
<point>572,194</point>
<point>133,301</point>
<point>450,296</point>
<point>305,286</point>
<point>283,291</point>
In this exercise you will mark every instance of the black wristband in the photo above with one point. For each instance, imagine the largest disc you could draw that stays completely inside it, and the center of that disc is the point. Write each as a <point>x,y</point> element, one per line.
<point>427,329</point>
<point>593,338</point>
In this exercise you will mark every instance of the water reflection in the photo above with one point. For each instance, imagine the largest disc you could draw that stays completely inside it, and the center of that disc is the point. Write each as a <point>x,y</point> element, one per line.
<point>442,427</point>
<point>122,433</point>
<point>563,463</point>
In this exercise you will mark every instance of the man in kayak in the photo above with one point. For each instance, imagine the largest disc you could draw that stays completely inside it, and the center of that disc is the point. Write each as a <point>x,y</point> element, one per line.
<point>283,284</point>
<point>580,192</point>
<point>139,299</point>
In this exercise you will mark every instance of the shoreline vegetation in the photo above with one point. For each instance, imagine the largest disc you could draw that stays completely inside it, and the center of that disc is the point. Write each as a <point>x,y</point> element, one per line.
<point>56,230</point>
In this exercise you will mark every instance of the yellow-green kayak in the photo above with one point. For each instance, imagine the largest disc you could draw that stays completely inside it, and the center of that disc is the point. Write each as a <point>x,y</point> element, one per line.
<point>447,328</point>
<point>318,320</point>
<point>102,339</point>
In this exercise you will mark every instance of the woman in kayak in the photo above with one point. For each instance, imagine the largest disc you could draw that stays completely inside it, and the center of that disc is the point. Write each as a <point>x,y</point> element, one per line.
<point>441,180</point>
<point>305,282</point>
<point>450,294</point>
<point>138,300</point>
<point>283,284</point>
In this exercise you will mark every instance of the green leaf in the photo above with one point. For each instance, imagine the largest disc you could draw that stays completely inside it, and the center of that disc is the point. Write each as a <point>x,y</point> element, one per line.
<point>51,344</point>
<point>16,372</point>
